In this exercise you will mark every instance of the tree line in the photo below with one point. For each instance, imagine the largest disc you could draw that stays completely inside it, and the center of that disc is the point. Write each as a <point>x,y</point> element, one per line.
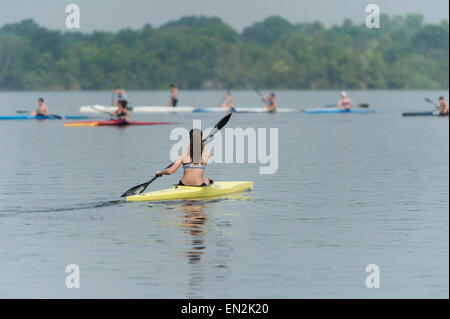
<point>206,53</point>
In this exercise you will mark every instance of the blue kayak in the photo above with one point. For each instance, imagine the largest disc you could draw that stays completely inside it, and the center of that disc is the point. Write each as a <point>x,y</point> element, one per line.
<point>41,117</point>
<point>335,110</point>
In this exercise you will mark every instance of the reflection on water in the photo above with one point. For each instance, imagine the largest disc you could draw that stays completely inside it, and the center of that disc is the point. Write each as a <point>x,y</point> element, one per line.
<point>193,224</point>
<point>204,242</point>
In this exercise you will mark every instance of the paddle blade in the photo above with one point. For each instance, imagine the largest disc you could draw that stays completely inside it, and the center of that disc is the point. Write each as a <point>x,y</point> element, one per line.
<point>364,105</point>
<point>223,121</point>
<point>142,187</point>
<point>218,126</point>
<point>22,112</point>
<point>138,189</point>
<point>429,101</point>
<point>57,116</point>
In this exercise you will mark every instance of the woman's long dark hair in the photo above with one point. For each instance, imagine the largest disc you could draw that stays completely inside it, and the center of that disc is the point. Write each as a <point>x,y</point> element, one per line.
<point>123,103</point>
<point>198,135</point>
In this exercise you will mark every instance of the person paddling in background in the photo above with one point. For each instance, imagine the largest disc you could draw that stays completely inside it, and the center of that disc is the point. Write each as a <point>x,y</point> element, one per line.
<point>228,103</point>
<point>443,106</point>
<point>345,102</point>
<point>42,109</point>
<point>271,102</point>
<point>122,112</point>
<point>173,96</point>
<point>121,95</point>
<point>194,162</point>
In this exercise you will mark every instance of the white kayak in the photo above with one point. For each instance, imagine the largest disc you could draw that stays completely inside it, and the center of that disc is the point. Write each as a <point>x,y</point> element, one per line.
<point>180,109</point>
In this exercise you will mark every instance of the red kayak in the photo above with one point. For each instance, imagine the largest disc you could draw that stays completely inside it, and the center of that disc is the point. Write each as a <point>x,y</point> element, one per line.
<point>112,123</point>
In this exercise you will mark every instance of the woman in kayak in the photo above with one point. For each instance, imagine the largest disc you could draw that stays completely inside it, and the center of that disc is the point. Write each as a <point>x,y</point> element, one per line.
<point>122,112</point>
<point>194,162</point>
<point>42,109</point>
<point>121,95</point>
<point>228,103</point>
<point>271,103</point>
<point>173,96</point>
<point>443,106</point>
<point>345,102</point>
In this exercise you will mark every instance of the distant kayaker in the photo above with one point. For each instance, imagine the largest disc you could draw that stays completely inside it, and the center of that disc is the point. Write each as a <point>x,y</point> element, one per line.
<point>42,109</point>
<point>194,162</point>
<point>173,96</point>
<point>345,102</point>
<point>122,112</point>
<point>271,102</point>
<point>228,103</point>
<point>121,95</point>
<point>443,106</point>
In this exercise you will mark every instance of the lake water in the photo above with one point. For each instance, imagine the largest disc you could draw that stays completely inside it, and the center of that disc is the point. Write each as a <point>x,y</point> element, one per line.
<point>350,190</point>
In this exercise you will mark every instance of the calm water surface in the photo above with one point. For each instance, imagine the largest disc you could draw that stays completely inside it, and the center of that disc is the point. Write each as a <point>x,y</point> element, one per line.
<point>350,190</point>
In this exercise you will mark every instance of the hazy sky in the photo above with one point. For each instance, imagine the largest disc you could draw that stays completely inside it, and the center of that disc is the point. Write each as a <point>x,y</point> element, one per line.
<point>113,15</point>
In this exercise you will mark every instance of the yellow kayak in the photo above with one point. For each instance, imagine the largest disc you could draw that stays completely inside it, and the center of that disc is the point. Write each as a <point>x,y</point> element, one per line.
<point>193,192</point>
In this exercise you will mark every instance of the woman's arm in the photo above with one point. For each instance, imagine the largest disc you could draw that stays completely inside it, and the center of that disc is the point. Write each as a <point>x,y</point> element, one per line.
<point>172,169</point>
<point>128,115</point>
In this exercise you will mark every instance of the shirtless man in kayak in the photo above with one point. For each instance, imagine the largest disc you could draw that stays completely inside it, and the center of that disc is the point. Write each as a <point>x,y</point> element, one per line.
<point>443,106</point>
<point>228,103</point>
<point>42,109</point>
<point>345,102</point>
<point>121,95</point>
<point>122,112</point>
<point>271,103</point>
<point>173,96</point>
<point>194,162</point>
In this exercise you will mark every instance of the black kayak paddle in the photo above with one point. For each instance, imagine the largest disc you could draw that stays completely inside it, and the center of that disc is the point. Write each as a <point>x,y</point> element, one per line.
<point>140,188</point>
<point>431,102</point>
<point>259,93</point>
